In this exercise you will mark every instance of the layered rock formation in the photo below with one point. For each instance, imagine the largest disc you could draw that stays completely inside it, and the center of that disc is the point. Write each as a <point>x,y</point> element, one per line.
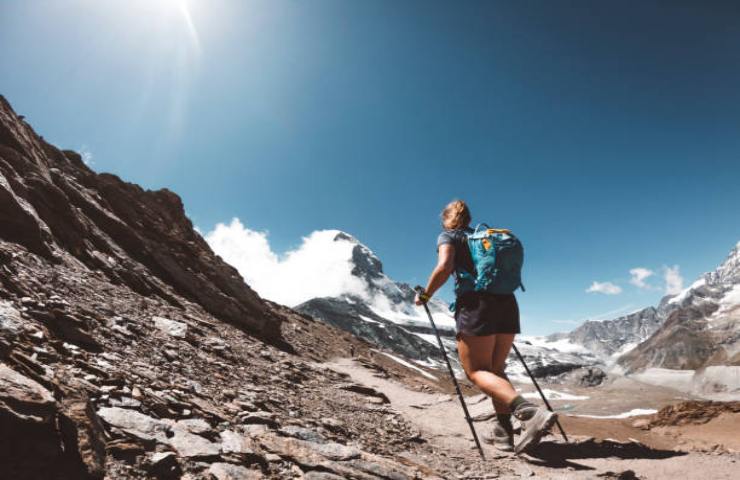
<point>605,338</point>
<point>53,205</point>
<point>701,327</point>
<point>128,349</point>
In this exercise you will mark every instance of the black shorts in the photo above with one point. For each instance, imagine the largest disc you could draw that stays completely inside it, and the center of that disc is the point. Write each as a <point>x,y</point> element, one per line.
<point>481,314</point>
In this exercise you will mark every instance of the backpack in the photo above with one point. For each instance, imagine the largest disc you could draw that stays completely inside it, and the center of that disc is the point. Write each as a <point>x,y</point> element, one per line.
<point>498,256</point>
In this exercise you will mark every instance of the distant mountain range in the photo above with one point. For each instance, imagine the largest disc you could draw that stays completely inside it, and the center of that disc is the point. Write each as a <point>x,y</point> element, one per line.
<point>696,329</point>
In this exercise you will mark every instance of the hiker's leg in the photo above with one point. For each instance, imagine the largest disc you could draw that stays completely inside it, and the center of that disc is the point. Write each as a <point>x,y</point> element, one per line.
<point>501,350</point>
<point>476,357</point>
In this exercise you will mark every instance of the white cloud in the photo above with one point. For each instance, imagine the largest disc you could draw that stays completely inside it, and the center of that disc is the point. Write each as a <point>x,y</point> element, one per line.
<point>319,267</point>
<point>673,280</point>
<point>87,156</point>
<point>639,275</point>
<point>607,288</point>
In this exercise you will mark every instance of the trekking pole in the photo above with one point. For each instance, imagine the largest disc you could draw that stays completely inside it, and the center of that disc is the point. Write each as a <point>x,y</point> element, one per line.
<point>521,359</point>
<point>420,291</point>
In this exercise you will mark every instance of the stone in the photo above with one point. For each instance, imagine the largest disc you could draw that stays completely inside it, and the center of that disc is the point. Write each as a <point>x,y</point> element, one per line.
<point>336,451</point>
<point>302,433</point>
<point>25,398</point>
<point>642,423</point>
<point>308,454</point>
<point>227,471</point>
<point>261,417</point>
<point>125,449</point>
<point>197,426</point>
<point>10,321</point>
<point>193,446</point>
<point>81,429</point>
<point>332,424</point>
<point>135,424</point>
<point>125,402</point>
<point>163,465</point>
<point>172,328</point>
<point>314,475</point>
<point>363,390</point>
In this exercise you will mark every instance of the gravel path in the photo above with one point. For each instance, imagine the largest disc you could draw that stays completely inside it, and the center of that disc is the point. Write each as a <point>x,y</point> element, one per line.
<point>440,419</point>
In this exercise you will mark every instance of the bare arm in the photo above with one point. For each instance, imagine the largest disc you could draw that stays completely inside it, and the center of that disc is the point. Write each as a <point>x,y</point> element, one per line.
<point>443,270</point>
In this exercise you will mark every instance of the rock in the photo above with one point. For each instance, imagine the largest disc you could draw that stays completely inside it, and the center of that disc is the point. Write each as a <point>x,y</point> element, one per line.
<point>363,390</point>
<point>163,465</point>
<point>261,417</point>
<point>314,475</point>
<point>82,431</point>
<point>172,328</point>
<point>302,433</point>
<point>189,445</point>
<point>24,398</point>
<point>125,449</point>
<point>125,402</point>
<point>239,447</point>
<point>135,424</point>
<point>197,426</point>
<point>332,424</point>
<point>10,321</point>
<point>642,423</point>
<point>335,451</point>
<point>227,471</point>
<point>584,377</point>
<point>307,453</point>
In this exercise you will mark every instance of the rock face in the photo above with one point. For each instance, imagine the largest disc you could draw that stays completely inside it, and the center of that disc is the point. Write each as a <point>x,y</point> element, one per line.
<point>701,327</point>
<point>605,338</point>
<point>129,350</point>
<point>384,314</point>
<point>50,202</point>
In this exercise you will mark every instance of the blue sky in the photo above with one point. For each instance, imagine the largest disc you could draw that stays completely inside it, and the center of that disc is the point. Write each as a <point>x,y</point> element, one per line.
<point>607,136</point>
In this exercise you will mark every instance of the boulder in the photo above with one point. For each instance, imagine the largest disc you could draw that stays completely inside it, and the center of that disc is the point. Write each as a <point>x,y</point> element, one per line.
<point>24,398</point>
<point>172,328</point>
<point>135,424</point>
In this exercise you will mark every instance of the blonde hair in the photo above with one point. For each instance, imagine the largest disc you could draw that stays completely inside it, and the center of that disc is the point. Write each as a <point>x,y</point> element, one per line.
<point>455,215</point>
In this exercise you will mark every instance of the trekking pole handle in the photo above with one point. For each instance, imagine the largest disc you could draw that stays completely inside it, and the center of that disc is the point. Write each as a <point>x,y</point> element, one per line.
<point>422,293</point>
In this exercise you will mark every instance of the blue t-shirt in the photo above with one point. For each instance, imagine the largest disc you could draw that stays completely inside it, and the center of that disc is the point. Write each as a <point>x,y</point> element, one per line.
<point>458,238</point>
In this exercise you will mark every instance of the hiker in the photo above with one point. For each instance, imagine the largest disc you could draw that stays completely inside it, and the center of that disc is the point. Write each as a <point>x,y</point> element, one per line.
<point>486,325</point>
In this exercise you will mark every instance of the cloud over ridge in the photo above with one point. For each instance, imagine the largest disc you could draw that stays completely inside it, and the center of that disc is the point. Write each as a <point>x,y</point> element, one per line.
<point>320,267</point>
<point>639,275</point>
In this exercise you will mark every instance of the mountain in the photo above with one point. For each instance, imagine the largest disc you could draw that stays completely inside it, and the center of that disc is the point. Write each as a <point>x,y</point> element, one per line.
<point>129,350</point>
<point>384,314</point>
<point>701,327</point>
<point>609,337</point>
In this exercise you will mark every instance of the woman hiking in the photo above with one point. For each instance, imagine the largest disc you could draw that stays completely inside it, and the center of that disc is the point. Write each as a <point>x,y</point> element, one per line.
<point>486,324</point>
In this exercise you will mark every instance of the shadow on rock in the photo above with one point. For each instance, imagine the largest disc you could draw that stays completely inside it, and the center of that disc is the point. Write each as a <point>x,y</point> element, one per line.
<point>559,455</point>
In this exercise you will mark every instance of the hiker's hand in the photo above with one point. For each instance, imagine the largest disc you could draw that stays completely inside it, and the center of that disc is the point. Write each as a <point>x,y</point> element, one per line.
<point>421,298</point>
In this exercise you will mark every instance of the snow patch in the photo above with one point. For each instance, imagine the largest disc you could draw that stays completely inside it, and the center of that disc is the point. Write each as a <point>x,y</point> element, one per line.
<point>681,296</point>
<point>408,365</point>
<point>632,413</point>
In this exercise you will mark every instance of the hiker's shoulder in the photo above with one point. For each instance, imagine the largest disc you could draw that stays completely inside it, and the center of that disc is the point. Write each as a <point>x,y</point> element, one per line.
<point>451,236</point>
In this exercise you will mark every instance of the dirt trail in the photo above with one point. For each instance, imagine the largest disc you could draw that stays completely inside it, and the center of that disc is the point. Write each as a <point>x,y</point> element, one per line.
<point>440,420</point>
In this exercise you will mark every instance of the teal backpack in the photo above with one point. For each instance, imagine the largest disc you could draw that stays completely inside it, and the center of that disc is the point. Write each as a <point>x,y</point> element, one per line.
<point>498,257</point>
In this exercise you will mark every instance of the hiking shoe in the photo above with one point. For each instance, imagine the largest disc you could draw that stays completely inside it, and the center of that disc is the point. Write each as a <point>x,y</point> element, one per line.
<point>501,439</point>
<point>535,423</point>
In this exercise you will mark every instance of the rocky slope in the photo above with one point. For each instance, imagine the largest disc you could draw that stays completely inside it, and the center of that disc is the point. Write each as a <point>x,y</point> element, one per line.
<point>701,327</point>
<point>129,350</point>
<point>605,338</point>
